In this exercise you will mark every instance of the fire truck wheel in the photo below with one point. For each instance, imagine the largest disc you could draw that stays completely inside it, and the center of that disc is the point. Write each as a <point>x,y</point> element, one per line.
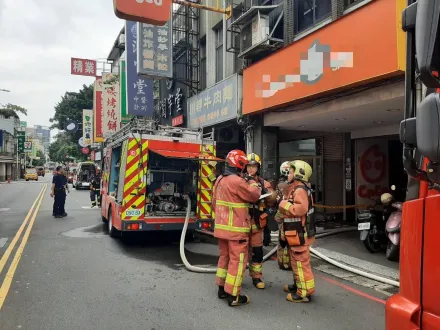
<point>112,231</point>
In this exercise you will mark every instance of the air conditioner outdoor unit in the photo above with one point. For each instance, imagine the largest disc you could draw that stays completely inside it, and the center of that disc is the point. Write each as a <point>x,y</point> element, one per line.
<point>254,32</point>
<point>228,135</point>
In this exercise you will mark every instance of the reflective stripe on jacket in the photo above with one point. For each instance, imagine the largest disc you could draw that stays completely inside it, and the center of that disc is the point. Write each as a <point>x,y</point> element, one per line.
<point>231,198</point>
<point>295,206</point>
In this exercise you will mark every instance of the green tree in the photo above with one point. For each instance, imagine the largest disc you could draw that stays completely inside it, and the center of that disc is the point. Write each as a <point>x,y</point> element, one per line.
<point>63,146</point>
<point>12,110</point>
<point>41,161</point>
<point>70,108</point>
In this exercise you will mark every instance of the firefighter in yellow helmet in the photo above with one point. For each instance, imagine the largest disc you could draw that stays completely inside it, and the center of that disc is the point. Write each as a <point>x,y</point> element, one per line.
<point>259,215</point>
<point>296,207</point>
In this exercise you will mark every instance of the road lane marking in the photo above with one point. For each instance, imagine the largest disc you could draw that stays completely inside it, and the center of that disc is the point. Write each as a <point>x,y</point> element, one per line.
<point>4,209</point>
<point>11,246</point>
<point>3,241</point>
<point>4,289</point>
<point>353,290</point>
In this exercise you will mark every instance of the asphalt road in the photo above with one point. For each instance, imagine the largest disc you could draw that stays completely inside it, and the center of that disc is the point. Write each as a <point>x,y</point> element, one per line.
<point>72,275</point>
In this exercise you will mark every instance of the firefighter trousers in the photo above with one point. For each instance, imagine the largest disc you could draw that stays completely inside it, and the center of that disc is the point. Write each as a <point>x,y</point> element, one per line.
<point>232,264</point>
<point>302,270</point>
<point>283,254</point>
<point>95,194</point>
<point>256,254</point>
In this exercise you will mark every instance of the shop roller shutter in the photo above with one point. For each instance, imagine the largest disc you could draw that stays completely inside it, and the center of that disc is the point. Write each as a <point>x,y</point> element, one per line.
<point>333,146</point>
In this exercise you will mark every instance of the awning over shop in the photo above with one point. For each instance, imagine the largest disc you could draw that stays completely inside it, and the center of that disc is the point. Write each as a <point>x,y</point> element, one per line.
<point>185,155</point>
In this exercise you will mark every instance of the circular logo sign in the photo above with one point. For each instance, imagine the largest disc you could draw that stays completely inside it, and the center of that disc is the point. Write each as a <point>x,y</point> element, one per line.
<point>71,126</point>
<point>133,153</point>
<point>85,150</point>
<point>81,142</point>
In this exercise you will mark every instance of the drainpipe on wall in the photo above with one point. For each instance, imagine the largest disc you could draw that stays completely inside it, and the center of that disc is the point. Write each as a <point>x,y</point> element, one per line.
<point>224,42</point>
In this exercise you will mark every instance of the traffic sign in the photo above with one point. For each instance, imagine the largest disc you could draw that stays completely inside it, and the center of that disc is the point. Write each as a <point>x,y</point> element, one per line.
<point>21,136</point>
<point>27,146</point>
<point>85,150</point>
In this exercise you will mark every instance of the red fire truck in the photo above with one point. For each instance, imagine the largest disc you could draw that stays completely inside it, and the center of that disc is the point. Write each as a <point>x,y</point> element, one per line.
<point>417,305</point>
<point>147,171</point>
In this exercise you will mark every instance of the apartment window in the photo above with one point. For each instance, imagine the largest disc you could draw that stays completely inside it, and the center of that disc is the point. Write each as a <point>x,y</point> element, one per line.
<point>202,64</point>
<point>310,12</point>
<point>349,3</point>
<point>219,55</point>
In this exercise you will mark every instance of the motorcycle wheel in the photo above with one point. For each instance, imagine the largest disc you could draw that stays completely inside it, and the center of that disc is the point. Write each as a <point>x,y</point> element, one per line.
<point>371,245</point>
<point>392,252</point>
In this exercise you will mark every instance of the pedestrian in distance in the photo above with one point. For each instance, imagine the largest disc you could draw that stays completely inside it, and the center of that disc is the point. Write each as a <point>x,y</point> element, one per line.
<point>298,218</point>
<point>231,198</point>
<point>58,192</point>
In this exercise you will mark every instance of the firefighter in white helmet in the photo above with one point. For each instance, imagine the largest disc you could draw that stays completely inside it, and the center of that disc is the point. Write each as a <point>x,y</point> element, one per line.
<point>283,250</point>
<point>296,206</point>
<point>259,215</point>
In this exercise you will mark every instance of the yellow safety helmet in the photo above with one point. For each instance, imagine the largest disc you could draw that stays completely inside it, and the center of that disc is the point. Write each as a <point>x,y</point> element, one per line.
<point>254,159</point>
<point>302,170</point>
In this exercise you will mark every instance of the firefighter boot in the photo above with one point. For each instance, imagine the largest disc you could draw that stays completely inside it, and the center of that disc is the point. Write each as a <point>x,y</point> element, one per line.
<point>290,288</point>
<point>239,300</point>
<point>222,294</point>
<point>293,297</point>
<point>258,283</point>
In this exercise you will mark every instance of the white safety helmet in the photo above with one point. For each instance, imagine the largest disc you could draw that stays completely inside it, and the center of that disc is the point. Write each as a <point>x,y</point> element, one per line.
<point>386,198</point>
<point>284,168</point>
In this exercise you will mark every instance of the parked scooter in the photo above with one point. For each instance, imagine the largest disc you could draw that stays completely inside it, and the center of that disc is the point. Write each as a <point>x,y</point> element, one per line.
<point>371,225</point>
<point>393,225</point>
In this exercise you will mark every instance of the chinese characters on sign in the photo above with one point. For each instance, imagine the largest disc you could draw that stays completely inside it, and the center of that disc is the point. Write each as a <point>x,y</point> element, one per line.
<point>173,101</point>
<point>82,67</point>
<point>97,111</point>
<point>155,50</point>
<point>110,104</point>
<point>87,127</point>
<point>139,89</point>
<point>216,104</point>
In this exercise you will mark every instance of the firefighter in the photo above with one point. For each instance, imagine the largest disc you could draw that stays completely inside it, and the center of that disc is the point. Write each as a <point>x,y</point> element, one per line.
<point>259,215</point>
<point>233,191</point>
<point>283,249</point>
<point>95,188</point>
<point>299,230</point>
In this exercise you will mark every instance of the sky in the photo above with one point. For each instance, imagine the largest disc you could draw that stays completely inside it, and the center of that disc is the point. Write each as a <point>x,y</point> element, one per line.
<point>38,38</point>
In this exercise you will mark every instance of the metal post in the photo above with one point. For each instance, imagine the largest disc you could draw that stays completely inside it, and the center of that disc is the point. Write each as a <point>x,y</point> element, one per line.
<point>224,42</point>
<point>17,165</point>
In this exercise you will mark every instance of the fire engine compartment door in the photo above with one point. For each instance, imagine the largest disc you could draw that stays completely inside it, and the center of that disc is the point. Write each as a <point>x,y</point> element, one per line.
<point>186,155</point>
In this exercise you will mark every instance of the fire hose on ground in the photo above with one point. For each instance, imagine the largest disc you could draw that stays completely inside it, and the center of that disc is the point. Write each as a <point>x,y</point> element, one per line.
<point>274,250</point>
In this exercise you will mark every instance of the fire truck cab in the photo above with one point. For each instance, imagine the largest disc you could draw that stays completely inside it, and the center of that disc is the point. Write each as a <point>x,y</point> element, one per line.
<point>148,172</point>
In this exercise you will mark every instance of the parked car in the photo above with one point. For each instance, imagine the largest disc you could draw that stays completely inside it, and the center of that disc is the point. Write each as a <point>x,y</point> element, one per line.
<point>31,174</point>
<point>41,171</point>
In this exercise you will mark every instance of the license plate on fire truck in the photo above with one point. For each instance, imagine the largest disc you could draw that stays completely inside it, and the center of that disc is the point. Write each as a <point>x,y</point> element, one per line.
<point>364,226</point>
<point>133,213</point>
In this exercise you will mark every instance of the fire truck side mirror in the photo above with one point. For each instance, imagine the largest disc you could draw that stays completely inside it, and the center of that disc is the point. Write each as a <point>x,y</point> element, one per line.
<point>428,42</point>
<point>428,127</point>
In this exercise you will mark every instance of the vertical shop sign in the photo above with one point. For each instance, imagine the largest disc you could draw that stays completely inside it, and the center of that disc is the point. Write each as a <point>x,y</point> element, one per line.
<point>139,89</point>
<point>97,111</point>
<point>155,50</point>
<point>87,127</point>
<point>110,104</point>
<point>348,174</point>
